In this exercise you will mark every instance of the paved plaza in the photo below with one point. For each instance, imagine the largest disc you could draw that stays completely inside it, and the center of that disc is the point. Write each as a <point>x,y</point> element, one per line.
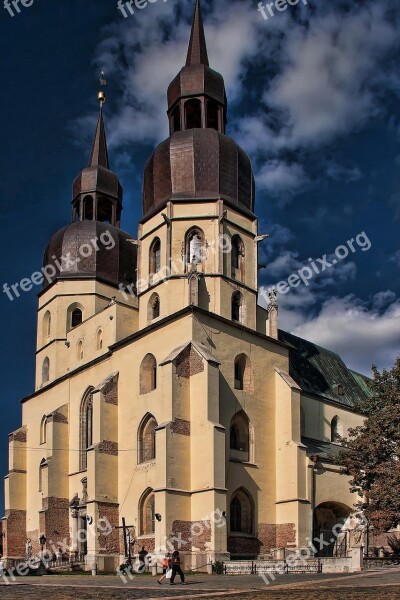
<point>374,585</point>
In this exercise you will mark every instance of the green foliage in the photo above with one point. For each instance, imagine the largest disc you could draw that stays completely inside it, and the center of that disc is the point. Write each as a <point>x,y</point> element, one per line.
<point>372,451</point>
<point>218,567</point>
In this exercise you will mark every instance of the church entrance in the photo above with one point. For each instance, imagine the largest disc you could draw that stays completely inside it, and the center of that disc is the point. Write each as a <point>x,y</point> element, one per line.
<point>328,522</point>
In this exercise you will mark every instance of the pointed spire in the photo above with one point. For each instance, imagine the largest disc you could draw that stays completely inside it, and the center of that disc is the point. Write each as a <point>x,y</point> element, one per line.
<point>99,154</point>
<point>197,53</point>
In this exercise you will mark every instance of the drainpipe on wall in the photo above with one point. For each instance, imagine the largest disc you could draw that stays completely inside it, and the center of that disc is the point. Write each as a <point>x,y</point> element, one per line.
<point>314,459</point>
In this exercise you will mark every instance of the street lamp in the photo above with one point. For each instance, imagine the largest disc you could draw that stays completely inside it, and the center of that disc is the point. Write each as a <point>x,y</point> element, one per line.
<point>42,541</point>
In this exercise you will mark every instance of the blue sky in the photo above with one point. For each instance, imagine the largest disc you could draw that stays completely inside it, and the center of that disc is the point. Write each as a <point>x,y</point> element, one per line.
<point>314,98</point>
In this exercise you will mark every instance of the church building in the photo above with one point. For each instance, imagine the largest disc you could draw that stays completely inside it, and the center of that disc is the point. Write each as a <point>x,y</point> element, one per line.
<point>165,394</point>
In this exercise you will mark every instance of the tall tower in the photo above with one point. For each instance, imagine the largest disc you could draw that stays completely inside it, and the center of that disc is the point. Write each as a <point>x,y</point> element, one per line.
<point>198,229</point>
<point>85,263</point>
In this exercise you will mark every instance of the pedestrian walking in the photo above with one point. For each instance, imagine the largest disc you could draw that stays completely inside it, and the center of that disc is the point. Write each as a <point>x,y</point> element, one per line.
<point>176,568</point>
<point>166,566</point>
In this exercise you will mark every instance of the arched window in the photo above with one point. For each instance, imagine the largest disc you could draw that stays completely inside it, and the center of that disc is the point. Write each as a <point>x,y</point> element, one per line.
<point>43,430</point>
<point>99,339</point>
<point>176,119</point>
<point>155,257</point>
<point>237,307</point>
<point>148,374</point>
<point>147,513</point>
<point>46,370</point>
<point>153,311</point>
<point>79,350</point>
<point>46,326</point>
<point>42,467</point>
<point>237,258</point>
<point>243,373</point>
<point>212,115</point>
<point>302,421</point>
<point>86,428</point>
<point>242,512</point>
<point>104,210</point>
<point>88,208</point>
<point>74,316</point>
<point>193,114</point>
<point>147,439</point>
<point>194,247</point>
<point>336,429</point>
<point>240,436</point>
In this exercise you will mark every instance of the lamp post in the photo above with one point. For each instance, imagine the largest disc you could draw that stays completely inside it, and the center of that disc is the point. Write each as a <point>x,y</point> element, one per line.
<point>42,542</point>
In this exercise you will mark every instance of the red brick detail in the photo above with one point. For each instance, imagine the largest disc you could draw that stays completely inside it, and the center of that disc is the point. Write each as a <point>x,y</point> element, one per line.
<point>109,542</point>
<point>54,522</point>
<point>189,363</point>
<point>243,545</point>
<point>191,534</point>
<point>107,447</point>
<point>111,393</point>
<point>276,536</point>
<point>18,436</point>
<point>149,544</point>
<point>57,417</point>
<point>180,426</point>
<point>15,533</point>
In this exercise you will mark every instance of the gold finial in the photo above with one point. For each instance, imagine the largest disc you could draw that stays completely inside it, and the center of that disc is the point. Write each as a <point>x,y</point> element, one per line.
<point>101,95</point>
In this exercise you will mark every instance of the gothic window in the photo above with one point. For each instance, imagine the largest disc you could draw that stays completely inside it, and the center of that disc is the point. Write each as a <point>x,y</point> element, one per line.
<point>336,429</point>
<point>43,430</point>
<point>79,350</point>
<point>147,513</point>
<point>176,119</point>
<point>99,340</point>
<point>243,374</point>
<point>86,428</point>
<point>74,316</point>
<point>237,258</point>
<point>155,256</point>
<point>212,115</point>
<point>46,370</point>
<point>148,374</point>
<point>237,307</point>
<point>194,247</point>
<point>153,308</point>
<point>240,436</point>
<point>88,208</point>
<point>241,512</point>
<point>147,439</point>
<point>193,114</point>
<point>46,326</point>
<point>104,210</point>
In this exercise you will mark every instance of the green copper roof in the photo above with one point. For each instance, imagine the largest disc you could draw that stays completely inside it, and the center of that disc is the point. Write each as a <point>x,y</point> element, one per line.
<point>322,372</point>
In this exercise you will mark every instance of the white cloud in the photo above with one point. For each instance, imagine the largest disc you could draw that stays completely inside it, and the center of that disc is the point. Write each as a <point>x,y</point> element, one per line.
<point>343,174</point>
<point>278,177</point>
<point>359,333</point>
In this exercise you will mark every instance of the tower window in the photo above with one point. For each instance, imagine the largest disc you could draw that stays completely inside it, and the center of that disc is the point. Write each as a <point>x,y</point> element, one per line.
<point>237,307</point>
<point>194,247</point>
<point>148,374</point>
<point>80,350</point>
<point>240,435</point>
<point>76,317</point>
<point>243,375</point>
<point>176,119</point>
<point>155,256</point>
<point>43,430</point>
<point>212,115</point>
<point>193,114</point>
<point>154,307</point>
<point>147,513</point>
<point>237,258</point>
<point>46,370</point>
<point>104,211</point>
<point>99,339</point>
<point>46,326</point>
<point>88,208</point>
<point>241,512</point>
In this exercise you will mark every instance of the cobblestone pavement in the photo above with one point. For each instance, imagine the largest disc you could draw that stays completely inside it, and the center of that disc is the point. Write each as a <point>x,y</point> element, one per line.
<point>382,585</point>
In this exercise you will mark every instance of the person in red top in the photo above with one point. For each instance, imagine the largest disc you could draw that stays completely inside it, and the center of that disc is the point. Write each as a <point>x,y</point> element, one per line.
<point>166,565</point>
<point>176,568</point>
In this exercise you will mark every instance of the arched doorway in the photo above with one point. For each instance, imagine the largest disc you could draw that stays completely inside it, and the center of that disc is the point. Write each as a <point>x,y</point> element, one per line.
<point>329,519</point>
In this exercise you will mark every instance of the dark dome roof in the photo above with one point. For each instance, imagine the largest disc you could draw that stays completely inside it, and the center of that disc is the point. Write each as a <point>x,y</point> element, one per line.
<point>114,262</point>
<point>198,164</point>
<point>197,80</point>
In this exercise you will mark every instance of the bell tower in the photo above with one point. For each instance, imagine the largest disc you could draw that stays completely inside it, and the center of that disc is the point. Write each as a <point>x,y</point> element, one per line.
<point>198,232</point>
